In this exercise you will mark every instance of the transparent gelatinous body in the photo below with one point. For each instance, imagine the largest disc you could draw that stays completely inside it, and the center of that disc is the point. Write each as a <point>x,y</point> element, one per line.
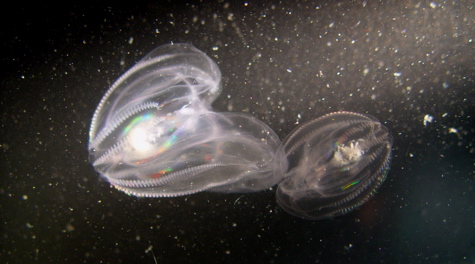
<point>154,133</point>
<point>332,164</point>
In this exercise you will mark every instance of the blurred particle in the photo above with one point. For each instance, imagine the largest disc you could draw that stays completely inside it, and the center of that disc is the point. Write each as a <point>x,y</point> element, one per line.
<point>427,119</point>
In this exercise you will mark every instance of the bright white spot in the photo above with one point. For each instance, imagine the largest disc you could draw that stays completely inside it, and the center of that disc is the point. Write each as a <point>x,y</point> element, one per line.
<point>289,70</point>
<point>397,74</point>
<point>24,197</point>
<point>131,40</point>
<point>349,246</point>
<point>298,119</point>
<point>138,140</point>
<point>137,137</point>
<point>433,4</point>
<point>455,131</point>
<point>365,71</point>
<point>427,119</point>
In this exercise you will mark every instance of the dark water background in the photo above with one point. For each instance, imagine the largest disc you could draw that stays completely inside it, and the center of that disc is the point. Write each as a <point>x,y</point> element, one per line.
<point>411,64</point>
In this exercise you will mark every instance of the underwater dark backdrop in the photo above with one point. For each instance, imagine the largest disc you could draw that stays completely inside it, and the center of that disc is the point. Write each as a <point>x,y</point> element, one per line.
<point>410,64</point>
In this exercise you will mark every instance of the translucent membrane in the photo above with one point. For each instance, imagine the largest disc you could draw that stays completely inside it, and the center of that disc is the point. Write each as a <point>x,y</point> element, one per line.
<point>154,134</point>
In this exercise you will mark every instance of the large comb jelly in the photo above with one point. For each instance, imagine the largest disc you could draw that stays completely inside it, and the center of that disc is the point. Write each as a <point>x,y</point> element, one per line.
<point>154,133</point>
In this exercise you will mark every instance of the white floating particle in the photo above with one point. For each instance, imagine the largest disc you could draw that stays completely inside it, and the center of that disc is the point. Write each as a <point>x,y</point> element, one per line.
<point>455,131</point>
<point>433,4</point>
<point>131,40</point>
<point>149,249</point>
<point>427,119</point>
<point>397,74</point>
